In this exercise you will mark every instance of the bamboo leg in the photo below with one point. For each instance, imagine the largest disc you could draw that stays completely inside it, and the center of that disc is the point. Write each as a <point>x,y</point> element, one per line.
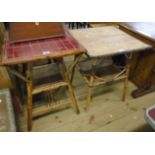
<point>76,60</point>
<point>70,89</point>
<point>89,96</point>
<point>29,105</point>
<point>125,89</point>
<point>71,92</point>
<point>90,84</point>
<point>29,96</point>
<point>73,70</point>
<point>15,92</point>
<point>126,84</point>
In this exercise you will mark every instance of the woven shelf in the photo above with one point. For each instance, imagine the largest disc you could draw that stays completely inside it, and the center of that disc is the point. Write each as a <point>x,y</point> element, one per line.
<point>47,87</point>
<point>41,110</point>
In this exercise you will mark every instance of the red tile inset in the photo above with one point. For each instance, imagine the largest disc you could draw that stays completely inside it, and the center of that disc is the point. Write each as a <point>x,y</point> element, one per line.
<point>28,51</point>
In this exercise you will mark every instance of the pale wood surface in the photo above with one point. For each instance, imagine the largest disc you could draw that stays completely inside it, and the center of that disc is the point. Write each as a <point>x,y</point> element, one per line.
<point>108,40</point>
<point>107,112</point>
<point>130,123</point>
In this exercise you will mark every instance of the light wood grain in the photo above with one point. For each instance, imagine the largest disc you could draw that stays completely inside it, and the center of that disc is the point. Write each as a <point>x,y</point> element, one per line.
<point>131,122</point>
<point>108,40</point>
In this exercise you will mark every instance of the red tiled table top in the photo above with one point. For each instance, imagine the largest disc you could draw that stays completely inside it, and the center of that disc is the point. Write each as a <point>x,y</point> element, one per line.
<point>41,49</point>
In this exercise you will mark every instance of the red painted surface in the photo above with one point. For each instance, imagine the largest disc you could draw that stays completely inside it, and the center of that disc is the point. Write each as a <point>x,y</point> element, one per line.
<point>152,113</point>
<point>32,50</point>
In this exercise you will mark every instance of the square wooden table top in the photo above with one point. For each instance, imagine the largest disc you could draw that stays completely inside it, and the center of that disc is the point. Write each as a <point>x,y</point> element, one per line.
<point>106,41</point>
<point>25,52</point>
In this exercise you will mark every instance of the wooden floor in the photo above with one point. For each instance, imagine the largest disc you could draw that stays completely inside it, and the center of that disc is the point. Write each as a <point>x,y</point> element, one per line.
<point>107,111</point>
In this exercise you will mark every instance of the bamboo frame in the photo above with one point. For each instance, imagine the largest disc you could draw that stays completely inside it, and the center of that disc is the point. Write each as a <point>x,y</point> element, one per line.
<point>29,105</point>
<point>29,96</point>
<point>126,81</point>
<point>16,73</point>
<point>72,67</point>
<point>26,76</point>
<point>89,96</point>
<point>94,80</point>
<point>69,86</point>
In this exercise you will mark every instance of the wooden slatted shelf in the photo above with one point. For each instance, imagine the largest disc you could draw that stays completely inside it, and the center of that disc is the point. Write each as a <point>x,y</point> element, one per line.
<point>50,107</point>
<point>47,87</point>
